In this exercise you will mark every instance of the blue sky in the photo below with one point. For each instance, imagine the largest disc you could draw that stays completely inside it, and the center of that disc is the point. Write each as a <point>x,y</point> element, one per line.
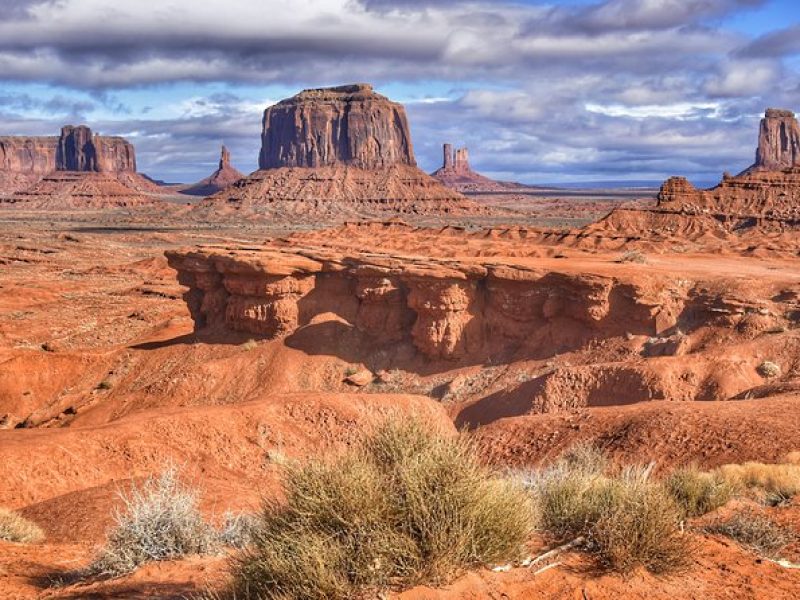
<point>560,91</point>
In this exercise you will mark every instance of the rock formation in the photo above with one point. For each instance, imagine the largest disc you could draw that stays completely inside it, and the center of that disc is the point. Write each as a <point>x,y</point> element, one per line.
<point>768,191</point>
<point>457,174</point>
<point>778,141</point>
<point>342,152</point>
<point>76,168</point>
<point>220,179</point>
<point>76,149</point>
<point>443,308</point>
<point>347,125</point>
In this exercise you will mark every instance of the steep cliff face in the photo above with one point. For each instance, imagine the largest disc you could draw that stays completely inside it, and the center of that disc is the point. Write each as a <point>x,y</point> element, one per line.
<point>346,125</point>
<point>778,141</point>
<point>76,149</point>
<point>446,310</point>
<point>31,155</point>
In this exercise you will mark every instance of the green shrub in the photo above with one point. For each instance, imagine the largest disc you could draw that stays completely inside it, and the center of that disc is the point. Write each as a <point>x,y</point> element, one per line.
<point>407,505</point>
<point>16,528</point>
<point>698,492</point>
<point>625,519</point>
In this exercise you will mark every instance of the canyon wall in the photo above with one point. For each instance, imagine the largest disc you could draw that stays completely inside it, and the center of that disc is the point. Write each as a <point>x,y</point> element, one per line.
<point>445,309</point>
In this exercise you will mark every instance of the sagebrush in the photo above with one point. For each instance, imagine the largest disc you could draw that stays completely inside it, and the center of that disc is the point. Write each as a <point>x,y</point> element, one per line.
<point>626,519</point>
<point>159,520</point>
<point>406,505</point>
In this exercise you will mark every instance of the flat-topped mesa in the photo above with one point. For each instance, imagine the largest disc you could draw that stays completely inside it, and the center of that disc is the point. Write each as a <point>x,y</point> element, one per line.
<point>76,149</point>
<point>778,141</point>
<point>346,125</point>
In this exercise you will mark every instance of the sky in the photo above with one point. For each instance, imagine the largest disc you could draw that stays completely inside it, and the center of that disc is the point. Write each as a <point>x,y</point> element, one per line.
<point>550,91</point>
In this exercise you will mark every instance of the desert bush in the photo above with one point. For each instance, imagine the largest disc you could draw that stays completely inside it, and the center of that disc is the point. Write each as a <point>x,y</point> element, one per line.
<point>237,529</point>
<point>406,505</point>
<point>638,525</point>
<point>632,256</point>
<point>625,519</point>
<point>16,528</point>
<point>160,520</point>
<point>754,531</point>
<point>775,483</point>
<point>769,369</point>
<point>698,492</point>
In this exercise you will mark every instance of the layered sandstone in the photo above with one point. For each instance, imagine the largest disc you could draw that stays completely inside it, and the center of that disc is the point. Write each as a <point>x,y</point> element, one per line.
<point>76,149</point>
<point>337,153</point>
<point>71,190</point>
<point>445,309</point>
<point>225,175</point>
<point>346,125</point>
<point>77,169</point>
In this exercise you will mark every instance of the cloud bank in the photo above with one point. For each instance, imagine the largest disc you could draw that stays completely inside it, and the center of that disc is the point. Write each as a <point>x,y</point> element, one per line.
<point>540,91</point>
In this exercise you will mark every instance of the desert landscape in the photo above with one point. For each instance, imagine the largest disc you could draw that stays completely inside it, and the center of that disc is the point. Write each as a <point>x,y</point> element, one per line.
<point>340,376</point>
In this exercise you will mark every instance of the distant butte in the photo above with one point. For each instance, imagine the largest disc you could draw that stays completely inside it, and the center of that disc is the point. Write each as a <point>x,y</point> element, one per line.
<point>778,141</point>
<point>76,169</point>
<point>225,175</point>
<point>457,174</point>
<point>337,152</point>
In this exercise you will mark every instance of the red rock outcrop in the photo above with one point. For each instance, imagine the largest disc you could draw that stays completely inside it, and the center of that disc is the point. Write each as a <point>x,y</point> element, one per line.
<point>445,309</point>
<point>778,141</point>
<point>76,169</point>
<point>765,197</point>
<point>225,175</point>
<point>345,125</point>
<point>457,174</point>
<point>337,153</point>
<point>76,149</point>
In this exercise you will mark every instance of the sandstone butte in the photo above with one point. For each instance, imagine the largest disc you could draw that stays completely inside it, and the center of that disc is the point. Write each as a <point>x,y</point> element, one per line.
<point>225,175</point>
<point>76,169</point>
<point>765,197</point>
<point>338,149</point>
<point>456,173</point>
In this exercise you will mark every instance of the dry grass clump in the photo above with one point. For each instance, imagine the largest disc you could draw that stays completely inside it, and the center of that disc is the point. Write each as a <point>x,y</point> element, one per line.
<point>160,520</point>
<point>632,256</point>
<point>407,505</point>
<point>626,519</point>
<point>772,483</point>
<point>16,528</point>
<point>698,492</point>
<point>755,531</point>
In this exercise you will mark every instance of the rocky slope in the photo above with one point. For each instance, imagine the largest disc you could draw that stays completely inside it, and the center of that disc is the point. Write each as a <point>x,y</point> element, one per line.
<point>225,175</point>
<point>441,313</point>
<point>342,152</point>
